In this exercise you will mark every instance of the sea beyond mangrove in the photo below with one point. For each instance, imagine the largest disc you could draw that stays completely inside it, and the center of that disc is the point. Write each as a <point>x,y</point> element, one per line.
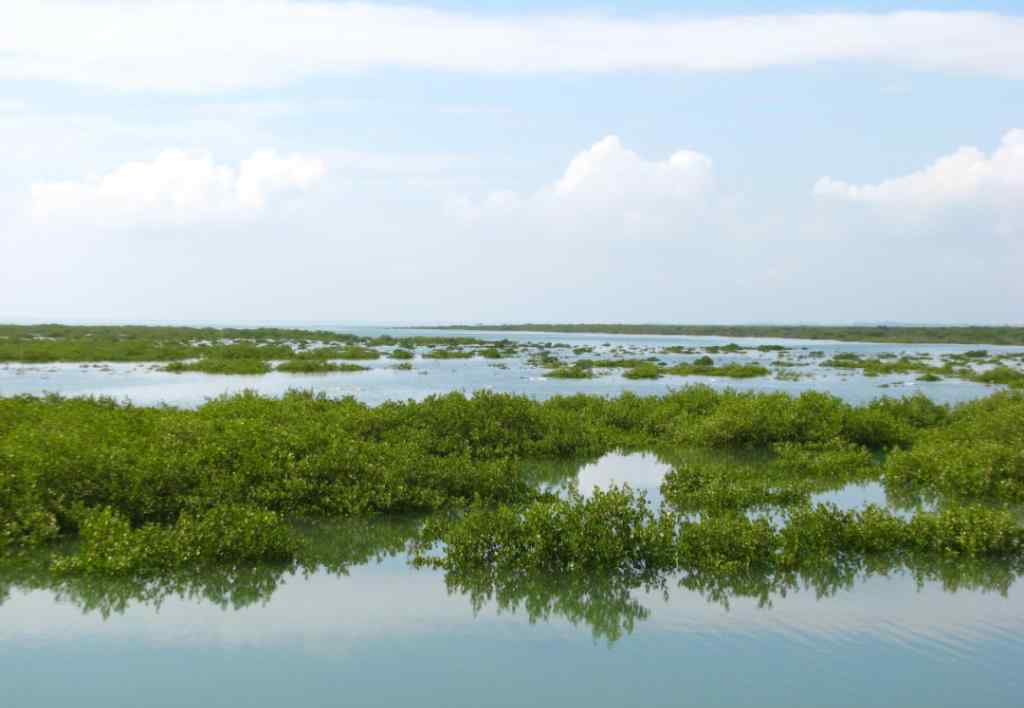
<point>107,488</point>
<point>895,334</point>
<point>259,351</point>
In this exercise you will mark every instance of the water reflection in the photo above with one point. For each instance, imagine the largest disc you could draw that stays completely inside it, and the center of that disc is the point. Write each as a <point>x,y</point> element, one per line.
<point>354,580</point>
<point>364,565</point>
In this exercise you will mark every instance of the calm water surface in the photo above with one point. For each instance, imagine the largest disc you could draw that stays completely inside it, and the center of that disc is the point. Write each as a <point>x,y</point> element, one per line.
<point>374,631</point>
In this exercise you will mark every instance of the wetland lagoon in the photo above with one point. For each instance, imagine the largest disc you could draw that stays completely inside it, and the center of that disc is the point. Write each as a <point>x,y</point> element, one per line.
<point>383,516</point>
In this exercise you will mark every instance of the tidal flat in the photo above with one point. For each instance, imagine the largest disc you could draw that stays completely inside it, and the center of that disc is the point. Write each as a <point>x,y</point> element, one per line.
<point>709,536</point>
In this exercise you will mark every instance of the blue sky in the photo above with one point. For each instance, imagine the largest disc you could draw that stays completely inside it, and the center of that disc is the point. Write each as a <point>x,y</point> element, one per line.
<point>509,161</point>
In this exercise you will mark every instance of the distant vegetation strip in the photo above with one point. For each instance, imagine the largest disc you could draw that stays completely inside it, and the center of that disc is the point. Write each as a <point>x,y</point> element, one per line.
<point>48,343</point>
<point>999,335</point>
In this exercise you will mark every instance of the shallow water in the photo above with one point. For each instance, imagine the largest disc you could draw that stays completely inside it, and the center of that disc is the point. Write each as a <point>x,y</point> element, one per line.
<point>375,631</point>
<point>145,385</point>
<point>389,635</point>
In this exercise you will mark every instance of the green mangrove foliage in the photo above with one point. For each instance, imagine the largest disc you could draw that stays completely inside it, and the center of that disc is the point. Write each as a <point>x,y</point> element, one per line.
<point>617,531</point>
<point>645,370</point>
<point>731,370</point>
<point>787,479</point>
<point>221,534</point>
<point>316,366</point>
<point>450,354</point>
<point>351,352</point>
<point>220,366</point>
<point>148,488</point>
<point>978,454</point>
<point>575,371</point>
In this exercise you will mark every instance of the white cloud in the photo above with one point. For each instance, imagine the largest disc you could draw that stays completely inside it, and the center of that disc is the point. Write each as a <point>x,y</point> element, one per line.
<point>965,181</point>
<point>609,170</point>
<point>193,46</point>
<point>265,173</point>
<point>176,187</point>
<point>607,191</point>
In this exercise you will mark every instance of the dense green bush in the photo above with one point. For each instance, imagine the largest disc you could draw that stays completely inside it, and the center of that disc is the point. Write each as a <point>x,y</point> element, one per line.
<point>220,366</point>
<point>160,470</point>
<point>618,531</point>
<point>646,370</point>
<point>570,372</point>
<point>224,534</point>
<point>614,531</point>
<point>979,453</point>
<point>450,354</point>
<point>316,366</point>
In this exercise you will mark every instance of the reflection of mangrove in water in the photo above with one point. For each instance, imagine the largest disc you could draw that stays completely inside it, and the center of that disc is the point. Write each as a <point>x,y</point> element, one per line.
<point>611,606</point>
<point>606,604</point>
<point>330,547</point>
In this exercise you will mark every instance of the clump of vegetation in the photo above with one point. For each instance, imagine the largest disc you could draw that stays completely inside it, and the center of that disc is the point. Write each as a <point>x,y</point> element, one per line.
<point>788,479</point>
<point>316,366</point>
<point>613,363</point>
<point>545,360</point>
<point>353,352</point>
<point>617,531</point>
<point>402,354</point>
<point>646,370</point>
<point>450,354</point>
<point>222,534</point>
<point>732,371</point>
<point>976,455</point>
<point>1001,375</point>
<point>731,348</point>
<point>220,366</point>
<point>575,371</point>
<point>246,351</point>
<point>614,531</point>
<point>494,353</point>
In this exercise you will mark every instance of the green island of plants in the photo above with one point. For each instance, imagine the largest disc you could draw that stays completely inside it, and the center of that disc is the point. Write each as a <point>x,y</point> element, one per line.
<point>316,366</point>
<point>140,491</point>
<point>220,366</point>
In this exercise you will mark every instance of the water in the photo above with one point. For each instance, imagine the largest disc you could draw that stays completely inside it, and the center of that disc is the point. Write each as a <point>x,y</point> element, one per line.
<point>144,384</point>
<point>388,635</point>
<point>367,629</point>
<point>374,631</point>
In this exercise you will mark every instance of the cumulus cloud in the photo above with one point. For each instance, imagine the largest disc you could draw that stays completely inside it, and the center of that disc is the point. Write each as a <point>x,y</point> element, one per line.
<point>608,170</point>
<point>194,46</point>
<point>605,191</point>
<point>176,187</point>
<point>967,180</point>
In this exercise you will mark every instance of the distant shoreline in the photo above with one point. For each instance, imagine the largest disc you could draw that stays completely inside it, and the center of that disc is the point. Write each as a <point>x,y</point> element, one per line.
<point>966,334</point>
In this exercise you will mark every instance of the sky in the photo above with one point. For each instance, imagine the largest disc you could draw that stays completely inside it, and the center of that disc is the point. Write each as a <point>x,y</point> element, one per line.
<point>745,161</point>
